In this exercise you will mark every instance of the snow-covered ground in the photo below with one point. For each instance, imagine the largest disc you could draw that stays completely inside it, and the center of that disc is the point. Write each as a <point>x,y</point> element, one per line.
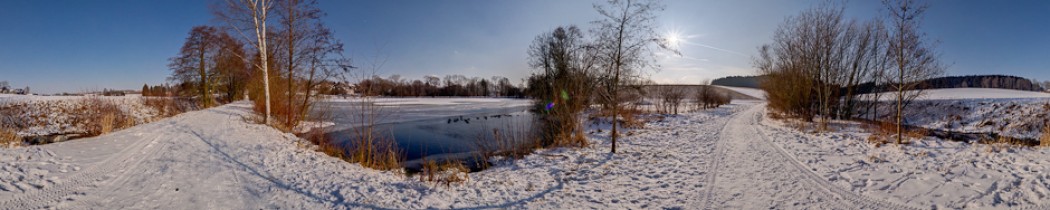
<point>732,157</point>
<point>929,173</point>
<point>966,93</point>
<point>47,115</point>
<point>1019,114</point>
<point>753,92</point>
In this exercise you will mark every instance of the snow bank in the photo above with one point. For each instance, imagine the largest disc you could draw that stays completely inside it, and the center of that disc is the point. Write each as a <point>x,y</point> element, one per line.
<point>929,173</point>
<point>966,93</point>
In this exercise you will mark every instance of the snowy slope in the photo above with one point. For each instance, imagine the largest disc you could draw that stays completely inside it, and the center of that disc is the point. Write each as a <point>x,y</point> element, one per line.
<point>1019,114</point>
<point>967,93</point>
<point>753,92</point>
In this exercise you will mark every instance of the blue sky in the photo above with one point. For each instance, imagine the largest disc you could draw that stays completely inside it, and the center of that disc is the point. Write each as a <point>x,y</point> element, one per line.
<point>68,46</point>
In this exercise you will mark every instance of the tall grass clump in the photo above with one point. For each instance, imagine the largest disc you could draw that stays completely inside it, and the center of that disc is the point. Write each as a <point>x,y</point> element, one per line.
<point>447,173</point>
<point>8,138</point>
<point>514,140</point>
<point>102,116</point>
<point>1044,139</point>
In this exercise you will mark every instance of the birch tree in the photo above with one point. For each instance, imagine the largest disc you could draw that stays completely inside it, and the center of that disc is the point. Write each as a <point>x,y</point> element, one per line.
<point>914,59</point>
<point>252,16</point>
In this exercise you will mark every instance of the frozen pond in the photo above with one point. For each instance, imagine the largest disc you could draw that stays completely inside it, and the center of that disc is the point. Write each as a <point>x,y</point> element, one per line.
<point>432,126</point>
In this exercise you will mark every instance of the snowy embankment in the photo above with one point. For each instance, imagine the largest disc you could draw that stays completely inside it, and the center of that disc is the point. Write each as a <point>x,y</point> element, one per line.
<point>753,92</point>
<point>49,115</point>
<point>1014,113</point>
<point>928,173</point>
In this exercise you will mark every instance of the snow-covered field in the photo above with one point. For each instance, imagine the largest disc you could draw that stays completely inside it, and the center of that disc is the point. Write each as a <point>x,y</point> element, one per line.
<point>967,93</point>
<point>1019,114</point>
<point>47,115</point>
<point>753,92</point>
<point>732,157</point>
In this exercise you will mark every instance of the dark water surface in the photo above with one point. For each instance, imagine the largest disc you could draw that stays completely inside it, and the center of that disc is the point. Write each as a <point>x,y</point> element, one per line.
<point>448,135</point>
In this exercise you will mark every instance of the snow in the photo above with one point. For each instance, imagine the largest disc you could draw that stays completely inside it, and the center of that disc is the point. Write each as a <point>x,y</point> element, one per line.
<point>967,93</point>
<point>732,157</point>
<point>753,92</point>
<point>929,173</point>
<point>48,115</point>
<point>1019,114</point>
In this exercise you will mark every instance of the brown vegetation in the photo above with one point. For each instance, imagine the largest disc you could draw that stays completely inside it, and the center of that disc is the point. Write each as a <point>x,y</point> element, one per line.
<point>1044,139</point>
<point>102,116</point>
<point>707,97</point>
<point>513,141</point>
<point>447,173</point>
<point>563,89</point>
<point>819,57</point>
<point>9,139</point>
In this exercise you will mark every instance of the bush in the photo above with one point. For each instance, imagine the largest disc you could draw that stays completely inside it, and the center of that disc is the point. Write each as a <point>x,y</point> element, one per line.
<point>447,173</point>
<point>514,141</point>
<point>1044,140</point>
<point>9,139</point>
<point>708,97</point>
<point>102,116</point>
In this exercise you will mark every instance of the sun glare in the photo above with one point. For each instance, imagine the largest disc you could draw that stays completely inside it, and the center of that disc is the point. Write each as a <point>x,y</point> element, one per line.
<point>673,38</point>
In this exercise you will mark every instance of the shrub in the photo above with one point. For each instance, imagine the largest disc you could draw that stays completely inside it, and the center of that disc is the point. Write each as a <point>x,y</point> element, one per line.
<point>514,141</point>
<point>447,173</point>
<point>9,139</point>
<point>1044,140</point>
<point>100,116</point>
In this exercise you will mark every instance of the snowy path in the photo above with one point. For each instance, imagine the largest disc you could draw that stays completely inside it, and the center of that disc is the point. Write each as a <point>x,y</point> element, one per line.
<point>752,172</point>
<point>179,162</point>
<point>211,159</point>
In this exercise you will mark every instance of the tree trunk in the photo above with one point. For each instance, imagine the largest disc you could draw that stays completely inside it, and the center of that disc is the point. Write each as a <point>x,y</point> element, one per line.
<point>259,13</point>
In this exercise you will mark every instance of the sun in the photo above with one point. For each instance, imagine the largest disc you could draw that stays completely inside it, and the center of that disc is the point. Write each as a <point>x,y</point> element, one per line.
<point>673,38</point>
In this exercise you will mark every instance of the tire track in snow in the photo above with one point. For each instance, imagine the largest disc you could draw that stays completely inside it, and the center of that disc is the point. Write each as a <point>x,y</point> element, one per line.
<point>124,160</point>
<point>855,200</point>
<point>713,166</point>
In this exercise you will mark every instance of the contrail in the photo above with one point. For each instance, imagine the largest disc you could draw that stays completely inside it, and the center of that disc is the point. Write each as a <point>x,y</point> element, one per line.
<point>714,48</point>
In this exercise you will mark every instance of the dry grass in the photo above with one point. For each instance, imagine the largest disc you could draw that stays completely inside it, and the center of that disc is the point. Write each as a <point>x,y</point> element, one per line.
<point>168,106</point>
<point>101,116</point>
<point>1003,144</point>
<point>9,139</point>
<point>513,141</point>
<point>1044,139</point>
<point>447,173</point>
<point>107,123</point>
<point>878,140</point>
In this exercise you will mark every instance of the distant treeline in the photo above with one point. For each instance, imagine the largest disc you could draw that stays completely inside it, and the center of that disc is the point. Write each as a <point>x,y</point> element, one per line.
<point>971,81</point>
<point>738,81</point>
<point>450,85</point>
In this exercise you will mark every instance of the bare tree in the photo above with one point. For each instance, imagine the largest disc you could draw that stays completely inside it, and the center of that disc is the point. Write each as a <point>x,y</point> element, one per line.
<point>564,86</point>
<point>913,57</point>
<point>248,15</point>
<point>196,61</point>
<point>625,34</point>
